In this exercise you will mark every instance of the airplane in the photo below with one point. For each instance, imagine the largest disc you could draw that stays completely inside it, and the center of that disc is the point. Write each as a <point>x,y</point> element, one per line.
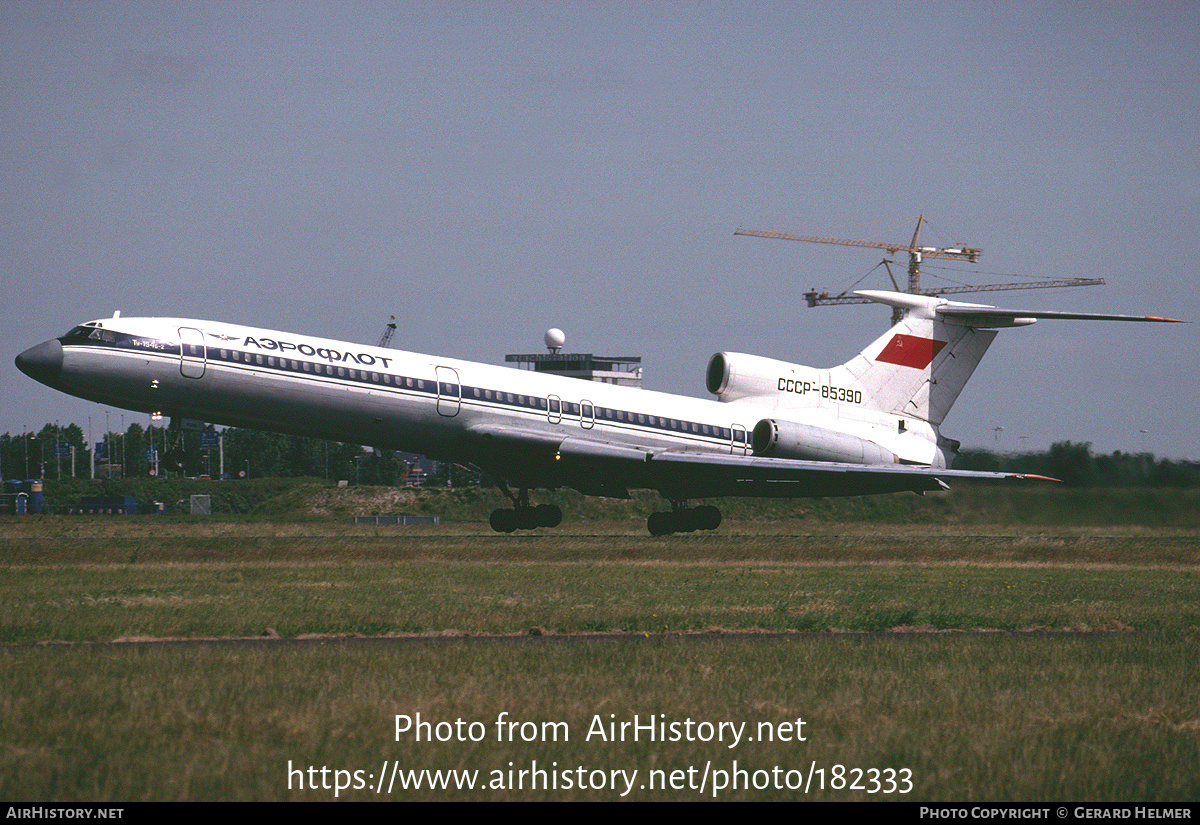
<point>776,429</point>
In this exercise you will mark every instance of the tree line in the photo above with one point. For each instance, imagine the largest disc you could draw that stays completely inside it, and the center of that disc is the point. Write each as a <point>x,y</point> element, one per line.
<point>258,454</point>
<point>1074,464</point>
<point>63,451</point>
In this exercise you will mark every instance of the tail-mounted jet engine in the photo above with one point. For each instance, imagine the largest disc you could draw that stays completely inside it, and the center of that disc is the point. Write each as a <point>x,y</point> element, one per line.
<point>734,375</point>
<point>789,439</point>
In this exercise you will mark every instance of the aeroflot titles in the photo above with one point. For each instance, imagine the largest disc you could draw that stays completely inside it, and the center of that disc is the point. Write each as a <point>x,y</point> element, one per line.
<point>332,355</point>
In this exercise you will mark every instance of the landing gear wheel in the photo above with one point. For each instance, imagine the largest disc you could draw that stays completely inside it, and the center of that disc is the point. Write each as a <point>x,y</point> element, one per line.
<point>526,518</point>
<point>174,460</point>
<point>548,515</point>
<point>707,517</point>
<point>684,520</point>
<point>503,521</point>
<point>523,516</point>
<point>660,524</point>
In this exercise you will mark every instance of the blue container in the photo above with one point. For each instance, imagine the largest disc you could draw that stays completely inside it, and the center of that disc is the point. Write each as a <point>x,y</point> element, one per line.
<point>33,486</point>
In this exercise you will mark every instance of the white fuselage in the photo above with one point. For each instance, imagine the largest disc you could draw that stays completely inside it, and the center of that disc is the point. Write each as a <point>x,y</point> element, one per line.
<point>508,422</point>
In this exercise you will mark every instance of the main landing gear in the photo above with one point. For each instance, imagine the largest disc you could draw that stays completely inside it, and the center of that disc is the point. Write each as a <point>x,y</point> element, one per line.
<point>523,516</point>
<point>175,456</point>
<point>684,519</point>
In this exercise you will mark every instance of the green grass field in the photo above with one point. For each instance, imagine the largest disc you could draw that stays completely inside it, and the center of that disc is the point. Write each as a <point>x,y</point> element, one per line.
<point>952,662</point>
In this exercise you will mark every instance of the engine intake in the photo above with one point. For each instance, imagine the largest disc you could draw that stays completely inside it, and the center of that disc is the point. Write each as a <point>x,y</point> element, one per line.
<point>734,375</point>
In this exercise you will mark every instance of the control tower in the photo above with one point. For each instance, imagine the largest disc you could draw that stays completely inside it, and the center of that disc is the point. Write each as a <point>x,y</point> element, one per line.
<point>608,369</point>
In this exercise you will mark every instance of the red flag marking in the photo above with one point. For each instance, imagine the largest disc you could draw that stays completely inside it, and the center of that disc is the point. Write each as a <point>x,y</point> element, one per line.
<point>910,351</point>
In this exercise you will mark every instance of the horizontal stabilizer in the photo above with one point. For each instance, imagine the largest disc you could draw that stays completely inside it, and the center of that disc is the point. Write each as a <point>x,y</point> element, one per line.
<point>1006,316</point>
<point>982,315</point>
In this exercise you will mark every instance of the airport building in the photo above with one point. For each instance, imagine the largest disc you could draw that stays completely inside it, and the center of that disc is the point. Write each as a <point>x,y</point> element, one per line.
<point>625,370</point>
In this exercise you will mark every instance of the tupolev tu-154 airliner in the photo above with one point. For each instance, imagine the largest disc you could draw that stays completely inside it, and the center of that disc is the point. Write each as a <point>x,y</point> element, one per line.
<point>775,429</point>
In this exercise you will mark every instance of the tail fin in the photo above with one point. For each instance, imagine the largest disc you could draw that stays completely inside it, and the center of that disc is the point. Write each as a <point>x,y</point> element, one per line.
<point>919,366</point>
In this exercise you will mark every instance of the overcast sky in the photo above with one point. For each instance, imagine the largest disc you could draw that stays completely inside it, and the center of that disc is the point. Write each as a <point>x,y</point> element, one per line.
<point>484,171</point>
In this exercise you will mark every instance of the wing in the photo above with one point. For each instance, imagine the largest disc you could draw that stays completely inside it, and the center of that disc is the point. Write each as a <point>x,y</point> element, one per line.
<point>702,475</point>
<point>534,458</point>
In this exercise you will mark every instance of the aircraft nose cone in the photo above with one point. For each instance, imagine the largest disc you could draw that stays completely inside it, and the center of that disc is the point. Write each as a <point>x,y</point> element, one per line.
<point>42,363</point>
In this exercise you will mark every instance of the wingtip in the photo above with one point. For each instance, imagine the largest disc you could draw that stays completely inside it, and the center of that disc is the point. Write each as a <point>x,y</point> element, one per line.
<point>1165,320</point>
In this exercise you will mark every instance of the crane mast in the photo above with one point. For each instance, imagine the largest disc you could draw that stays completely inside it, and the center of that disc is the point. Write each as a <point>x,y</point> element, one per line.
<point>388,331</point>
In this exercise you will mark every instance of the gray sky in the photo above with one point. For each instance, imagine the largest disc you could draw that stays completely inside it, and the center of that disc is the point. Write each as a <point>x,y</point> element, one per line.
<point>486,170</point>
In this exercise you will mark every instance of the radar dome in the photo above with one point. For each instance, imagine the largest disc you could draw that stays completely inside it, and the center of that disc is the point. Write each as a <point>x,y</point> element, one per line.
<point>554,338</point>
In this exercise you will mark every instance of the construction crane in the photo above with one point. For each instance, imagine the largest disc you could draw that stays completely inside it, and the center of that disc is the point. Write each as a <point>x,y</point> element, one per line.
<point>916,254</point>
<point>388,331</point>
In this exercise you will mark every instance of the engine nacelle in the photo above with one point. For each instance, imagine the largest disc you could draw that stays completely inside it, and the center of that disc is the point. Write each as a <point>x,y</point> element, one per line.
<point>789,439</point>
<point>734,375</point>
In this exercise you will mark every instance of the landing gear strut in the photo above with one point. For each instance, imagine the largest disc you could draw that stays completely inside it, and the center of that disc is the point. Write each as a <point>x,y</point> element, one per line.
<point>523,516</point>
<point>175,457</point>
<point>684,519</point>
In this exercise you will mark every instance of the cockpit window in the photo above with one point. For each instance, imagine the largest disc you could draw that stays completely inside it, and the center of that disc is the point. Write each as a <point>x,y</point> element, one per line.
<point>91,332</point>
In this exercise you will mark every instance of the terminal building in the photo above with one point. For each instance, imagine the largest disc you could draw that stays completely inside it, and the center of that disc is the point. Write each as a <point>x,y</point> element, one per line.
<point>625,370</point>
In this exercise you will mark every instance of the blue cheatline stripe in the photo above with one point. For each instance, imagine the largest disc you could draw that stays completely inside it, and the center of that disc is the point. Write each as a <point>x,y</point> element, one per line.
<point>92,337</point>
